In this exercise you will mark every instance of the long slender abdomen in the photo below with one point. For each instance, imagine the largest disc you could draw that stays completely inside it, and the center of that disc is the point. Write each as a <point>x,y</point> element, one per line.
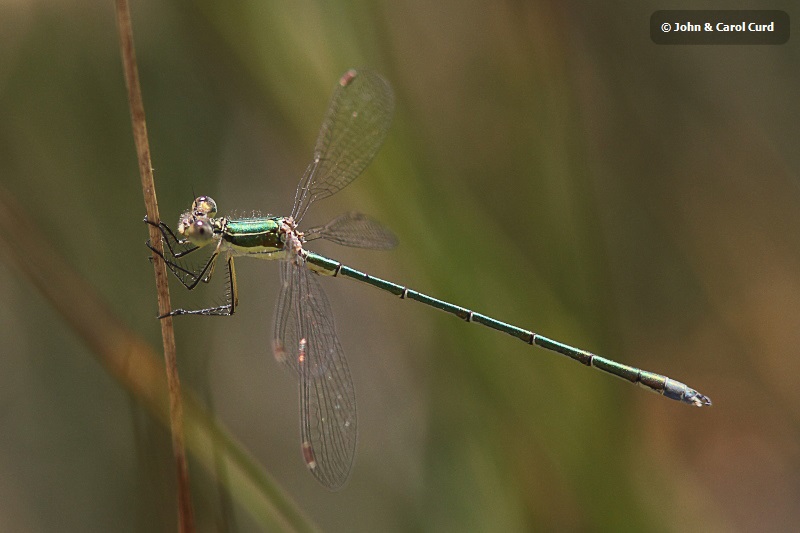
<point>658,383</point>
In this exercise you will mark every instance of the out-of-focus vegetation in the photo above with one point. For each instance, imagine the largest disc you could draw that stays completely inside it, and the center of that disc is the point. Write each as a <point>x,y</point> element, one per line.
<point>548,165</point>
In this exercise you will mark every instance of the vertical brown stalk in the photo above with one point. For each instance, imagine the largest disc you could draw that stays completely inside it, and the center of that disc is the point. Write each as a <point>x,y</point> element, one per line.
<point>185,513</point>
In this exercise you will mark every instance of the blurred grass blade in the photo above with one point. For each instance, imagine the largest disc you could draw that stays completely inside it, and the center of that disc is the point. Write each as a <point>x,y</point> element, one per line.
<point>137,368</point>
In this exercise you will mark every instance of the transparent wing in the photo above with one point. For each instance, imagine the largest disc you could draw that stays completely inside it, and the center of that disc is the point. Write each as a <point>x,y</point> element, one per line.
<point>306,341</point>
<point>285,334</point>
<point>357,230</point>
<point>354,127</point>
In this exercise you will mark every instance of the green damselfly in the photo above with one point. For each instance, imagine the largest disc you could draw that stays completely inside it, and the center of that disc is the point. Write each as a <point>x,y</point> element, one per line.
<point>304,336</point>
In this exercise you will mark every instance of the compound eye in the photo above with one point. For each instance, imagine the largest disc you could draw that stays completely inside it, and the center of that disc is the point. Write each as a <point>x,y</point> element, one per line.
<point>204,205</point>
<point>200,232</point>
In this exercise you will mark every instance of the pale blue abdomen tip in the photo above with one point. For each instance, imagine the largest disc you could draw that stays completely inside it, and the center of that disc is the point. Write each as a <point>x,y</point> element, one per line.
<point>681,392</point>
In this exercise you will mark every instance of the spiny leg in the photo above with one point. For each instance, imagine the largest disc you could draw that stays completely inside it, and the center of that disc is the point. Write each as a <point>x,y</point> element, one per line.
<point>187,276</point>
<point>169,238</point>
<point>231,294</point>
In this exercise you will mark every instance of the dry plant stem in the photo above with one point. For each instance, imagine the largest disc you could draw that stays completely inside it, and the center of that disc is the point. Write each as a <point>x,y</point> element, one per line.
<point>185,513</point>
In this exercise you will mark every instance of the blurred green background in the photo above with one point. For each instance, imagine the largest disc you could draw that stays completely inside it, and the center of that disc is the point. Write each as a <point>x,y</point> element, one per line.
<point>548,165</point>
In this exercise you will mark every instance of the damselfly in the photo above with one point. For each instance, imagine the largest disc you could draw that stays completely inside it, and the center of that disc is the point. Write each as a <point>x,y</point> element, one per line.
<point>304,336</point>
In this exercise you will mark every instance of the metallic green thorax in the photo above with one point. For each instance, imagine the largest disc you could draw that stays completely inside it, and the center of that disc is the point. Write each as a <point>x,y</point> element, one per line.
<point>254,234</point>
